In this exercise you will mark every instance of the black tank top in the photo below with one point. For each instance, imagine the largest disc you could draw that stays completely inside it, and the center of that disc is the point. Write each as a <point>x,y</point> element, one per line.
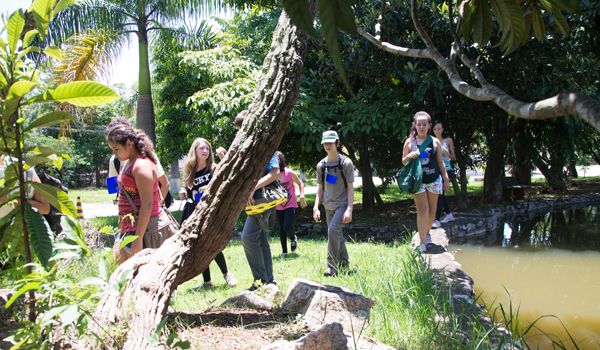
<point>429,164</point>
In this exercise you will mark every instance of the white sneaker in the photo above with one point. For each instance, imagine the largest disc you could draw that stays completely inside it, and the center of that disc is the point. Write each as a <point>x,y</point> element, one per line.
<point>231,281</point>
<point>449,217</point>
<point>436,224</point>
<point>428,239</point>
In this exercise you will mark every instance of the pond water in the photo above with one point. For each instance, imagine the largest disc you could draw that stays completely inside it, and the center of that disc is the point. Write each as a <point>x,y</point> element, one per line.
<point>549,265</point>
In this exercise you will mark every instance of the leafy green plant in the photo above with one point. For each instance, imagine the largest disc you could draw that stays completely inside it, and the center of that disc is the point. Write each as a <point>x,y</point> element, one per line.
<point>23,229</point>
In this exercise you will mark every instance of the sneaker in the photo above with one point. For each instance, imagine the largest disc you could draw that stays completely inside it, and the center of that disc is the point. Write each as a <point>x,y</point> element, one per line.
<point>329,272</point>
<point>436,224</point>
<point>231,281</point>
<point>284,255</point>
<point>294,244</point>
<point>428,239</point>
<point>423,248</point>
<point>203,285</point>
<point>449,217</point>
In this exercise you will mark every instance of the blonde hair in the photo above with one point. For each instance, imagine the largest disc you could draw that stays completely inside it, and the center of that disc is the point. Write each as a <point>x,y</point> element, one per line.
<point>189,167</point>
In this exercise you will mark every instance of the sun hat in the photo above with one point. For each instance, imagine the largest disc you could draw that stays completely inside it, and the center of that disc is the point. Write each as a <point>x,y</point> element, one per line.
<point>329,136</point>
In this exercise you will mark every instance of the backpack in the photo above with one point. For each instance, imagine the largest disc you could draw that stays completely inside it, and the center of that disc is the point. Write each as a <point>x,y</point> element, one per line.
<point>54,216</point>
<point>339,166</point>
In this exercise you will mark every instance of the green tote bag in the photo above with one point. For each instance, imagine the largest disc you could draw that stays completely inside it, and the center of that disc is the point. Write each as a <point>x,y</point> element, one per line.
<point>410,176</point>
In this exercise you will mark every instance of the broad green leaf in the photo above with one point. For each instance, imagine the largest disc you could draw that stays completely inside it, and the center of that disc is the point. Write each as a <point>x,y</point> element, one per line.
<point>122,279</point>
<point>72,229</point>
<point>512,24</point>
<point>58,162</point>
<point>466,26</point>
<point>561,23</point>
<point>63,4</point>
<point>20,88</point>
<point>49,315</point>
<point>57,198</point>
<point>482,23</point>
<point>345,16</point>
<point>537,22</point>
<point>15,93</point>
<point>68,255</point>
<point>327,13</point>
<point>127,240</point>
<point>42,13</point>
<point>104,269</point>
<point>29,37</point>
<point>24,289</point>
<point>78,93</point>
<point>54,52</point>
<point>299,12</point>
<point>33,161</point>
<point>49,119</point>
<point>40,235</point>
<point>70,315</point>
<point>14,27</point>
<point>107,230</point>
<point>3,81</point>
<point>567,5</point>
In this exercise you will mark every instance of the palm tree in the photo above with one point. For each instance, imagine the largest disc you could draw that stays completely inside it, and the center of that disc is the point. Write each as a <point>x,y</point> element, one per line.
<point>125,17</point>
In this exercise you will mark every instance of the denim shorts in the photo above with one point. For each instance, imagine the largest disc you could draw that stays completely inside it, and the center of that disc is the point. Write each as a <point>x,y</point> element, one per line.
<point>434,187</point>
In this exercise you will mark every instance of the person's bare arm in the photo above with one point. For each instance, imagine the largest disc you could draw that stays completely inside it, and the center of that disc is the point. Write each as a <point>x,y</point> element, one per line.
<point>407,154</point>
<point>38,201</point>
<point>440,160</point>
<point>145,174</point>
<point>300,184</point>
<point>347,218</point>
<point>450,143</point>
<point>318,200</point>
<point>163,186</point>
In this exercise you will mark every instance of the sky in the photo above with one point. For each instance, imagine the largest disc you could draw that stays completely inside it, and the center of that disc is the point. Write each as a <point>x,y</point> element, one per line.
<point>125,68</point>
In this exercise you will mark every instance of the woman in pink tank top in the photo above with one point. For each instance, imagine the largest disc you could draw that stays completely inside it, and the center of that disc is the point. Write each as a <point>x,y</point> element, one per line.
<point>138,180</point>
<point>286,212</point>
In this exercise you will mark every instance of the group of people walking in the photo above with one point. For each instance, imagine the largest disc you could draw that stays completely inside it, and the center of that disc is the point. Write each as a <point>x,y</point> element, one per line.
<point>138,182</point>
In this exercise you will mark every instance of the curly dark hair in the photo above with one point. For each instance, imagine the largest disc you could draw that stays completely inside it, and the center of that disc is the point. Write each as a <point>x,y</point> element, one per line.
<point>120,131</point>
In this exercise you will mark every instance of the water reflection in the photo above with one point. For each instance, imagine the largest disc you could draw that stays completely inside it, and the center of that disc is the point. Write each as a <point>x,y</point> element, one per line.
<point>549,265</point>
<point>573,229</point>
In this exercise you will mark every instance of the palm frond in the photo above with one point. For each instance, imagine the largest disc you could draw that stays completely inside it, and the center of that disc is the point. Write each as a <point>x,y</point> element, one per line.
<point>86,16</point>
<point>88,56</point>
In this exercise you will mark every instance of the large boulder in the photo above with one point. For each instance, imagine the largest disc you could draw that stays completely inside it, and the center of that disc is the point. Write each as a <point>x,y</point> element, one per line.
<point>327,307</point>
<point>301,293</point>
<point>329,336</point>
<point>250,300</point>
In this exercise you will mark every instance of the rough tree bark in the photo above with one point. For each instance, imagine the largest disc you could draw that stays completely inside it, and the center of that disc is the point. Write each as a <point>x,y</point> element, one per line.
<point>563,104</point>
<point>155,274</point>
<point>522,166</point>
<point>494,169</point>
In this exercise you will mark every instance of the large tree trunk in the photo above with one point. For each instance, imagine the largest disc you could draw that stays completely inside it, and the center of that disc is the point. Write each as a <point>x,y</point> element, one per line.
<point>364,165</point>
<point>145,106</point>
<point>494,169</point>
<point>522,166</point>
<point>142,304</point>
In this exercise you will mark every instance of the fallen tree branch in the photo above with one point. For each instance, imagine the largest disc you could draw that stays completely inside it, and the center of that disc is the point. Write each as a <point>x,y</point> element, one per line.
<point>156,274</point>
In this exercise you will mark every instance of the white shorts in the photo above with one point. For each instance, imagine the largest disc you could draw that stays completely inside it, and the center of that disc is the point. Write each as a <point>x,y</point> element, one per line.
<point>434,187</point>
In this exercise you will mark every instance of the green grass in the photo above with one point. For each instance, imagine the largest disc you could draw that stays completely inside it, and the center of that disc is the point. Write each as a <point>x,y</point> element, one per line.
<point>91,195</point>
<point>405,299</point>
